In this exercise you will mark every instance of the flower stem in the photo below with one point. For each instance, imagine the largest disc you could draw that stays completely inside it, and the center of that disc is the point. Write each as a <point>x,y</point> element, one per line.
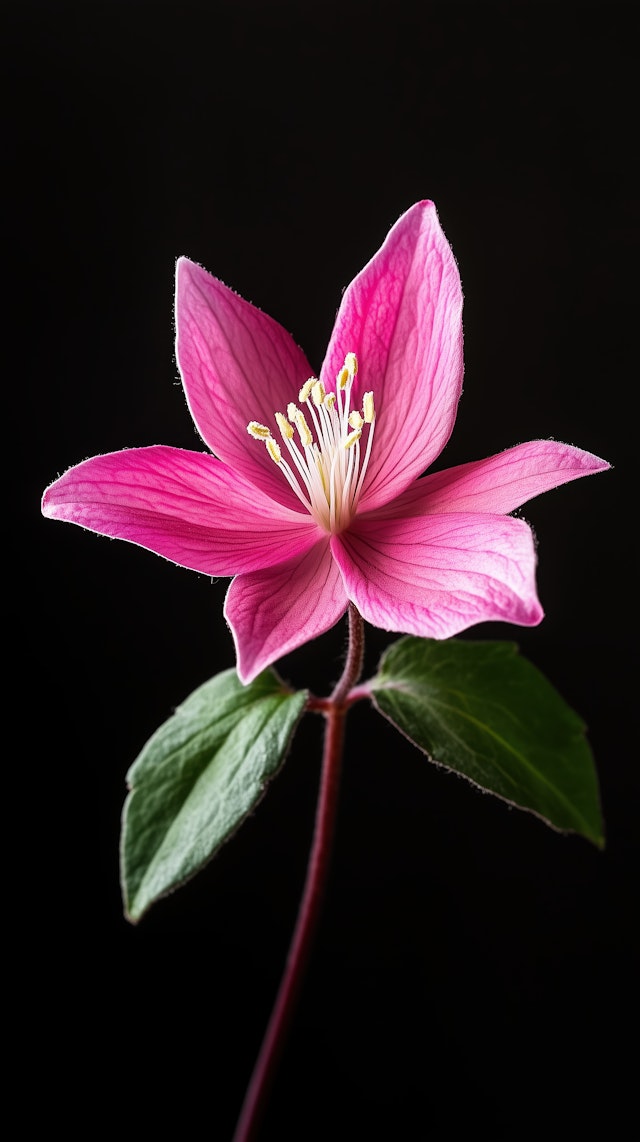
<point>355,655</point>
<point>335,712</point>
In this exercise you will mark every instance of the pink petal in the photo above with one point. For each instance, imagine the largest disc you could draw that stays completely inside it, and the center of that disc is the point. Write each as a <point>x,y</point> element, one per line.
<point>402,317</point>
<point>237,365</point>
<point>274,612</point>
<point>437,575</point>
<point>500,483</point>
<point>186,506</point>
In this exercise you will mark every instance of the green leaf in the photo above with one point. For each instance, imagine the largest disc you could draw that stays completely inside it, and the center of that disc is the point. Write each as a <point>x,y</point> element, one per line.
<point>198,777</point>
<point>480,709</point>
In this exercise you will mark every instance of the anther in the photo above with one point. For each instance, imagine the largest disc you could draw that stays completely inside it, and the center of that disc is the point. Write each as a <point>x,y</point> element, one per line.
<point>284,426</point>
<point>318,393</point>
<point>306,435</point>
<point>326,473</point>
<point>273,448</point>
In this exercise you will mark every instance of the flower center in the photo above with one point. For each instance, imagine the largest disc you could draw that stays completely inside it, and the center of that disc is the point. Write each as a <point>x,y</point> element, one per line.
<point>327,472</point>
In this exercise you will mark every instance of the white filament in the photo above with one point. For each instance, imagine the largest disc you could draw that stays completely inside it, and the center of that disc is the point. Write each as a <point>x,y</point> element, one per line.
<point>330,468</point>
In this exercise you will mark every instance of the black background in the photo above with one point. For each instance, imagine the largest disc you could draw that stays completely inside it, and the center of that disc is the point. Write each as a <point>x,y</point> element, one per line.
<point>474,970</point>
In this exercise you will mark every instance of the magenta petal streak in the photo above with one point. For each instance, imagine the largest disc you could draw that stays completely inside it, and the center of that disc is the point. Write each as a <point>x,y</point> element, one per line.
<point>426,555</point>
<point>402,317</point>
<point>437,575</point>
<point>274,611</point>
<point>184,505</point>
<point>501,483</point>
<point>237,365</point>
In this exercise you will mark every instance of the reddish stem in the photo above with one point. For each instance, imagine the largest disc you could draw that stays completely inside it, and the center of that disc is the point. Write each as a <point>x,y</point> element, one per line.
<point>335,711</point>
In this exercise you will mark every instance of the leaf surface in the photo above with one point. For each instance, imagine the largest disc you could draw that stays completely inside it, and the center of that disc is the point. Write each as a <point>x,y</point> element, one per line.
<point>485,712</point>
<point>197,778</point>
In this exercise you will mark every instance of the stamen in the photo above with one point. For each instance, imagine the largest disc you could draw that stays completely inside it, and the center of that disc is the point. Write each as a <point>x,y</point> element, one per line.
<point>273,448</point>
<point>327,469</point>
<point>306,436</point>
<point>351,363</point>
<point>318,393</point>
<point>284,426</point>
<point>369,411</point>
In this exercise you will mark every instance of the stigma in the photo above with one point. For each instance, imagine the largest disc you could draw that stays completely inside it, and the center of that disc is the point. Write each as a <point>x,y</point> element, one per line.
<point>323,435</point>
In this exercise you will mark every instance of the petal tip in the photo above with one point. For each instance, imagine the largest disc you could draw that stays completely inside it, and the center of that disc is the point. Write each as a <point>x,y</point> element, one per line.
<point>44,504</point>
<point>537,614</point>
<point>48,503</point>
<point>186,269</point>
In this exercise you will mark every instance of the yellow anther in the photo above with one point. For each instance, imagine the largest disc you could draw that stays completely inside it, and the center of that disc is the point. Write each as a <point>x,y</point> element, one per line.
<point>303,428</point>
<point>284,426</point>
<point>318,393</point>
<point>352,437</point>
<point>273,448</point>
<point>326,473</point>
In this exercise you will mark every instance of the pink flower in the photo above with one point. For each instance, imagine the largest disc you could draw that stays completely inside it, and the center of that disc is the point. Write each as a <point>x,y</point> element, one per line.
<point>314,494</point>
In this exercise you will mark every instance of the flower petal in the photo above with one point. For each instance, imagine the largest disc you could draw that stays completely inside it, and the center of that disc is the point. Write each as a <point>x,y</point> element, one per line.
<point>501,483</point>
<point>237,365</point>
<point>402,317</point>
<point>273,612</point>
<point>437,575</point>
<point>186,506</point>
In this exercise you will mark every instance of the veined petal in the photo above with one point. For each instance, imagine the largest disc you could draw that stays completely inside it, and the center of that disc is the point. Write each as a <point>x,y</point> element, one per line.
<point>274,612</point>
<point>402,317</point>
<point>437,575</point>
<point>501,483</point>
<point>186,506</point>
<point>237,365</point>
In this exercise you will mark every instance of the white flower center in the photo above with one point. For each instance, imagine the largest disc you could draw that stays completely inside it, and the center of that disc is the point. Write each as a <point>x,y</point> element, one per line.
<point>328,472</point>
